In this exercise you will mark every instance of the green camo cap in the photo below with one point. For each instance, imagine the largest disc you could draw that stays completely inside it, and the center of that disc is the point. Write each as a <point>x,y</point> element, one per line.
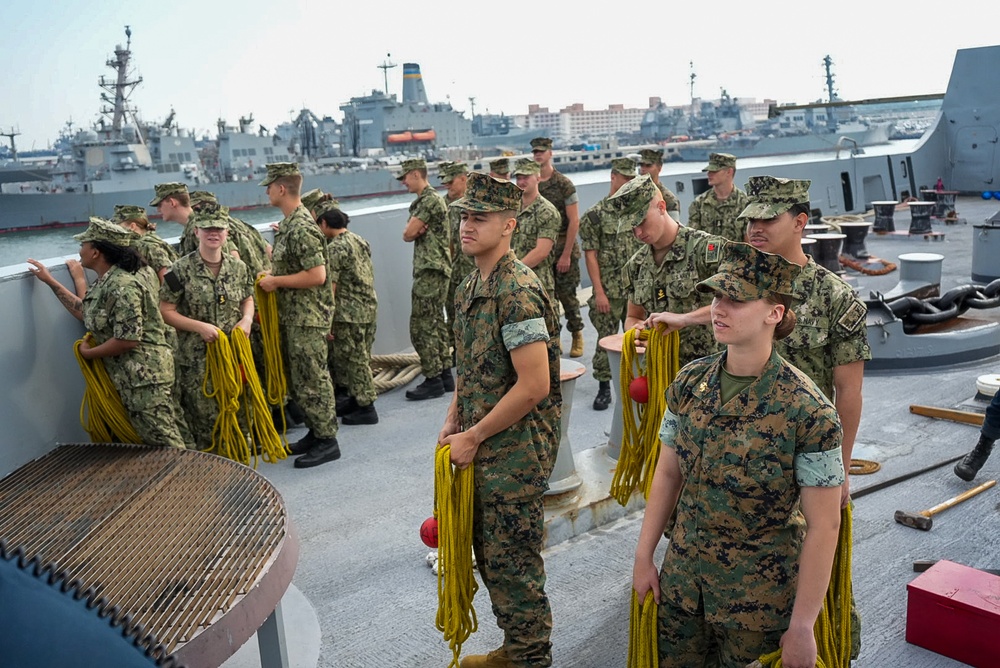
<point>770,197</point>
<point>747,274</point>
<point>409,165</point>
<point>322,207</point>
<point>201,198</point>
<point>500,166</point>
<point>276,170</point>
<point>526,166</point>
<point>717,161</point>
<point>485,194</point>
<point>650,156</point>
<point>104,230</point>
<point>129,212</point>
<point>312,198</point>
<point>623,166</point>
<point>541,144</point>
<point>631,201</point>
<point>213,218</point>
<point>447,171</point>
<point>164,190</point>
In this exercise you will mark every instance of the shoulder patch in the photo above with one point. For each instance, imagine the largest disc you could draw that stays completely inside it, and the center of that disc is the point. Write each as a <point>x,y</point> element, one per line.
<point>172,281</point>
<point>853,316</point>
<point>712,251</point>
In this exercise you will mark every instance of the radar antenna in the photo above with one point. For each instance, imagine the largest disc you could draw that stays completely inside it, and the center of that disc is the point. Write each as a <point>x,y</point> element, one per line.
<point>121,87</point>
<point>10,135</point>
<point>385,67</point>
<point>831,92</point>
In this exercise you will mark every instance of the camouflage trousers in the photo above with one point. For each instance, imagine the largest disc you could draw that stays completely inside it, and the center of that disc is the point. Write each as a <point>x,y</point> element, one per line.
<point>687,640</point>
<point>428,332</point>
<point>304,352</point>
<point>507,540</point>
<point>606,324</point>
<point>567,284</point>
<point>152,411</point>
<point>351,359</point>
<point>176,393</point>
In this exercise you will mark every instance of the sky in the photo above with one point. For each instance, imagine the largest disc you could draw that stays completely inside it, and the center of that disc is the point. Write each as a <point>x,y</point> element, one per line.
<point>212,59</point>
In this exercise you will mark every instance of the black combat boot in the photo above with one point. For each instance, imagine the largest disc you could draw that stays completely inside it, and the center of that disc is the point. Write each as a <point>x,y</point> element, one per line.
<point>343,397</point>
<point>431,388</point>
<point>447,380</point>
<point>361,415</point>
<point>346,407</point>
<point>603,398</point>
<point>972,462</point>
<point>302,446</point>
<point>323,450</point>
<point>294,413</point>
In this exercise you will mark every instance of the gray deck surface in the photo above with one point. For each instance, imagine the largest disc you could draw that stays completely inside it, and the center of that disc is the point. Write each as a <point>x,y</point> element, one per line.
<point>362,566</point>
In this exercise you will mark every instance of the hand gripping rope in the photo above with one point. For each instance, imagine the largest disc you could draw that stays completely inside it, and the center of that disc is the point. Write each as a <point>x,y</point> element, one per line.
<point>102,414</point>
<point>456,616</point>
<point>642,649</point>
<point>641,434</point>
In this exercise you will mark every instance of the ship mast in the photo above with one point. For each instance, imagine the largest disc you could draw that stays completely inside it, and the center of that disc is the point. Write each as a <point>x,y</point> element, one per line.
<point>10,135</point>
<point>472,105</point>
<point>385,67</point>
<point>830,91</point>
<point>120,88</point>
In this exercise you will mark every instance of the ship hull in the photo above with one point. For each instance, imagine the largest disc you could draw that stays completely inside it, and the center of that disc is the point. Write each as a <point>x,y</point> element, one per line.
<point>789,144</point>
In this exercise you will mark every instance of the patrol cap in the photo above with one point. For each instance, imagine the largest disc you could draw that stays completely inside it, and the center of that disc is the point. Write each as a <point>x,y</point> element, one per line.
<point>541,144</point>
<point>104,230</point>
<point>526,166</point>
<point>770,197</point>
<point>631,201</point>
<point>747,274</point>
<point>322,207</point>
<point>485,194</point>
<point>623,166</point>
<point>449,170</point>
<point>717,161</point>
<point>165,190</point>
<point>203,197</point>
<point>127,212</point>
<point>276,170</point>
<point>500,166</point>
<point>211,219</point>
<point>409,165</point>
<point>312,198</point>
<point>650,156</point>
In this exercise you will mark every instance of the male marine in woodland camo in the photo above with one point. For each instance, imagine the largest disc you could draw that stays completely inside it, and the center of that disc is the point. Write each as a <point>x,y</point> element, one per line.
<point>427,229</point>
<point>717,210</point>
<point>559,190</point>
<point>504,419</point>
<point>607,247</point>
<point>305,313</point>
<point>537,225</point>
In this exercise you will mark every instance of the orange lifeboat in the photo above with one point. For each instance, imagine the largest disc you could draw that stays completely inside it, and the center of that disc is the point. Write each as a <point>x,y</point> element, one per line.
<point>426,135</point>
<point>400,137</point>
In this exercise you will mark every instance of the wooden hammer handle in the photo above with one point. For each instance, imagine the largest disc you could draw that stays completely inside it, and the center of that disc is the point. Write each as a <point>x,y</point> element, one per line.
<point>955,500</point>
<point>965,417</point>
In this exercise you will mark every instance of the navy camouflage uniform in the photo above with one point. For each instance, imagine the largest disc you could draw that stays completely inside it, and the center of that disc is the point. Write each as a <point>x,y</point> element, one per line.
<point>538,220</point>
<point>561,192</point>
<point>431,277</point>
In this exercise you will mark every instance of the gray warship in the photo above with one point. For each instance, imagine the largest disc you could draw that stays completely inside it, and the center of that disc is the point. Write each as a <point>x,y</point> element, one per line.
<point>362,594</point>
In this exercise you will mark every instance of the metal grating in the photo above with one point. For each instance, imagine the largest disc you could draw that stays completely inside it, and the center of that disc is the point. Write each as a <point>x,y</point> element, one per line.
<point>173,541</point>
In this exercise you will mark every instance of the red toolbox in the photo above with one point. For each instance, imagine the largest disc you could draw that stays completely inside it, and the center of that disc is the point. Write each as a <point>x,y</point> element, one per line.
<point>954,610</point>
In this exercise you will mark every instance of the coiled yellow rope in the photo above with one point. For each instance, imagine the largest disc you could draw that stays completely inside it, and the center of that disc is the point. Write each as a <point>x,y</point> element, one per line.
<point>642,633</point>
<point>640,447</point>
<point>102,414</point>
<point>267,308</point>
<point>833,625</point>
<point>271,445</point>
<point>456,616</point>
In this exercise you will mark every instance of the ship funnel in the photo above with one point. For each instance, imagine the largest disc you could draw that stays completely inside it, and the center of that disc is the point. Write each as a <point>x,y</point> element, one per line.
<point>413,85</point>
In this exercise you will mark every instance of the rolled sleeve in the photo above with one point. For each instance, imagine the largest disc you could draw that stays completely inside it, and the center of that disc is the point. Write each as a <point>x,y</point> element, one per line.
<point>668,428</point>
<point>819,469</point>
<point>517,334</point>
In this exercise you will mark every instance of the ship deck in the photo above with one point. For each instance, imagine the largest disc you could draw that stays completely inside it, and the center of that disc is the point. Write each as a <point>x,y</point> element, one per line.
<point>363,595</point>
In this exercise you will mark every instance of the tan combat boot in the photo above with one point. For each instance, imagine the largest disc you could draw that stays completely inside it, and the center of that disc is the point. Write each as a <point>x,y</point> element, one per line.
<point>577,349</point>
<point>495,659</point>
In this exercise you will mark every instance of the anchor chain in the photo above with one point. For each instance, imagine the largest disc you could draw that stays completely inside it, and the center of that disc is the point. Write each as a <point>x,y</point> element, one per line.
<point>953,303</point>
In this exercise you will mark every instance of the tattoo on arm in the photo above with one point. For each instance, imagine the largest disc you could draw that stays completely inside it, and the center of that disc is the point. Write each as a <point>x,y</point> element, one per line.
<point>72,303</point>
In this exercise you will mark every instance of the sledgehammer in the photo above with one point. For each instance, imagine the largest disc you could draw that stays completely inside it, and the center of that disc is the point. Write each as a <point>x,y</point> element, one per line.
<point>923,521</point>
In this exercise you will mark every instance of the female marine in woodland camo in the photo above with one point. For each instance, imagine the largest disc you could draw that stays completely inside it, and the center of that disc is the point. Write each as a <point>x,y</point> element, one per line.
<point>751,459</point>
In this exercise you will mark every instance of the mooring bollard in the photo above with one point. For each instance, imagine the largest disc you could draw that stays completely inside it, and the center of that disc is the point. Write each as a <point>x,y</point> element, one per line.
<point>854,241</point>
<point>827,252</point>
<point>613,346</point>
<point>564,477</point>
<point>920,217</point>
<point>919,276</point>
<point>884,212</point>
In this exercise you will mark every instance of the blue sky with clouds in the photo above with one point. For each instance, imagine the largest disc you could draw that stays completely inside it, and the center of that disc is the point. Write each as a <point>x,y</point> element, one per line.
<point>209,59</point>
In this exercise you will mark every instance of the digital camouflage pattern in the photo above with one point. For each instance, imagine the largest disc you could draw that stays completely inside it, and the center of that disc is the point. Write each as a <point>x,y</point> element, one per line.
<point>409,165</point>
<point>746,274</point>
<point>300,247</point>
<point>305,353</point>
<point>630,203</point>
<point>215,300</point>
<point>541,144</point>
<point>349,265</point>
<point>670,286</point>
<point>500,166</point>
<point>447,171</point>
<point>770,197</point>
<point>562,193</point>
<point>614,243</point>
<point>164,190</point>
<point>484,194</point>
<point>623,166</point>
<point>685,640</point>
<point>649,156</point>
<point>719,217</point>
<point>351,359</point>
<point>461,264</point>
<point>527,167</point>
<point>129,212</point>
<point>829,329</point>
<point>538,220</point>
<point>120,305</point>
<point>431,277</point>
<point>104,230</point>
<point>157,253</point>
<point>507,310</point>
<point>739,531</point>
<point>277,170</point>
<point>311,198</point>
<point>431,250</point>
<point>719,161</point>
